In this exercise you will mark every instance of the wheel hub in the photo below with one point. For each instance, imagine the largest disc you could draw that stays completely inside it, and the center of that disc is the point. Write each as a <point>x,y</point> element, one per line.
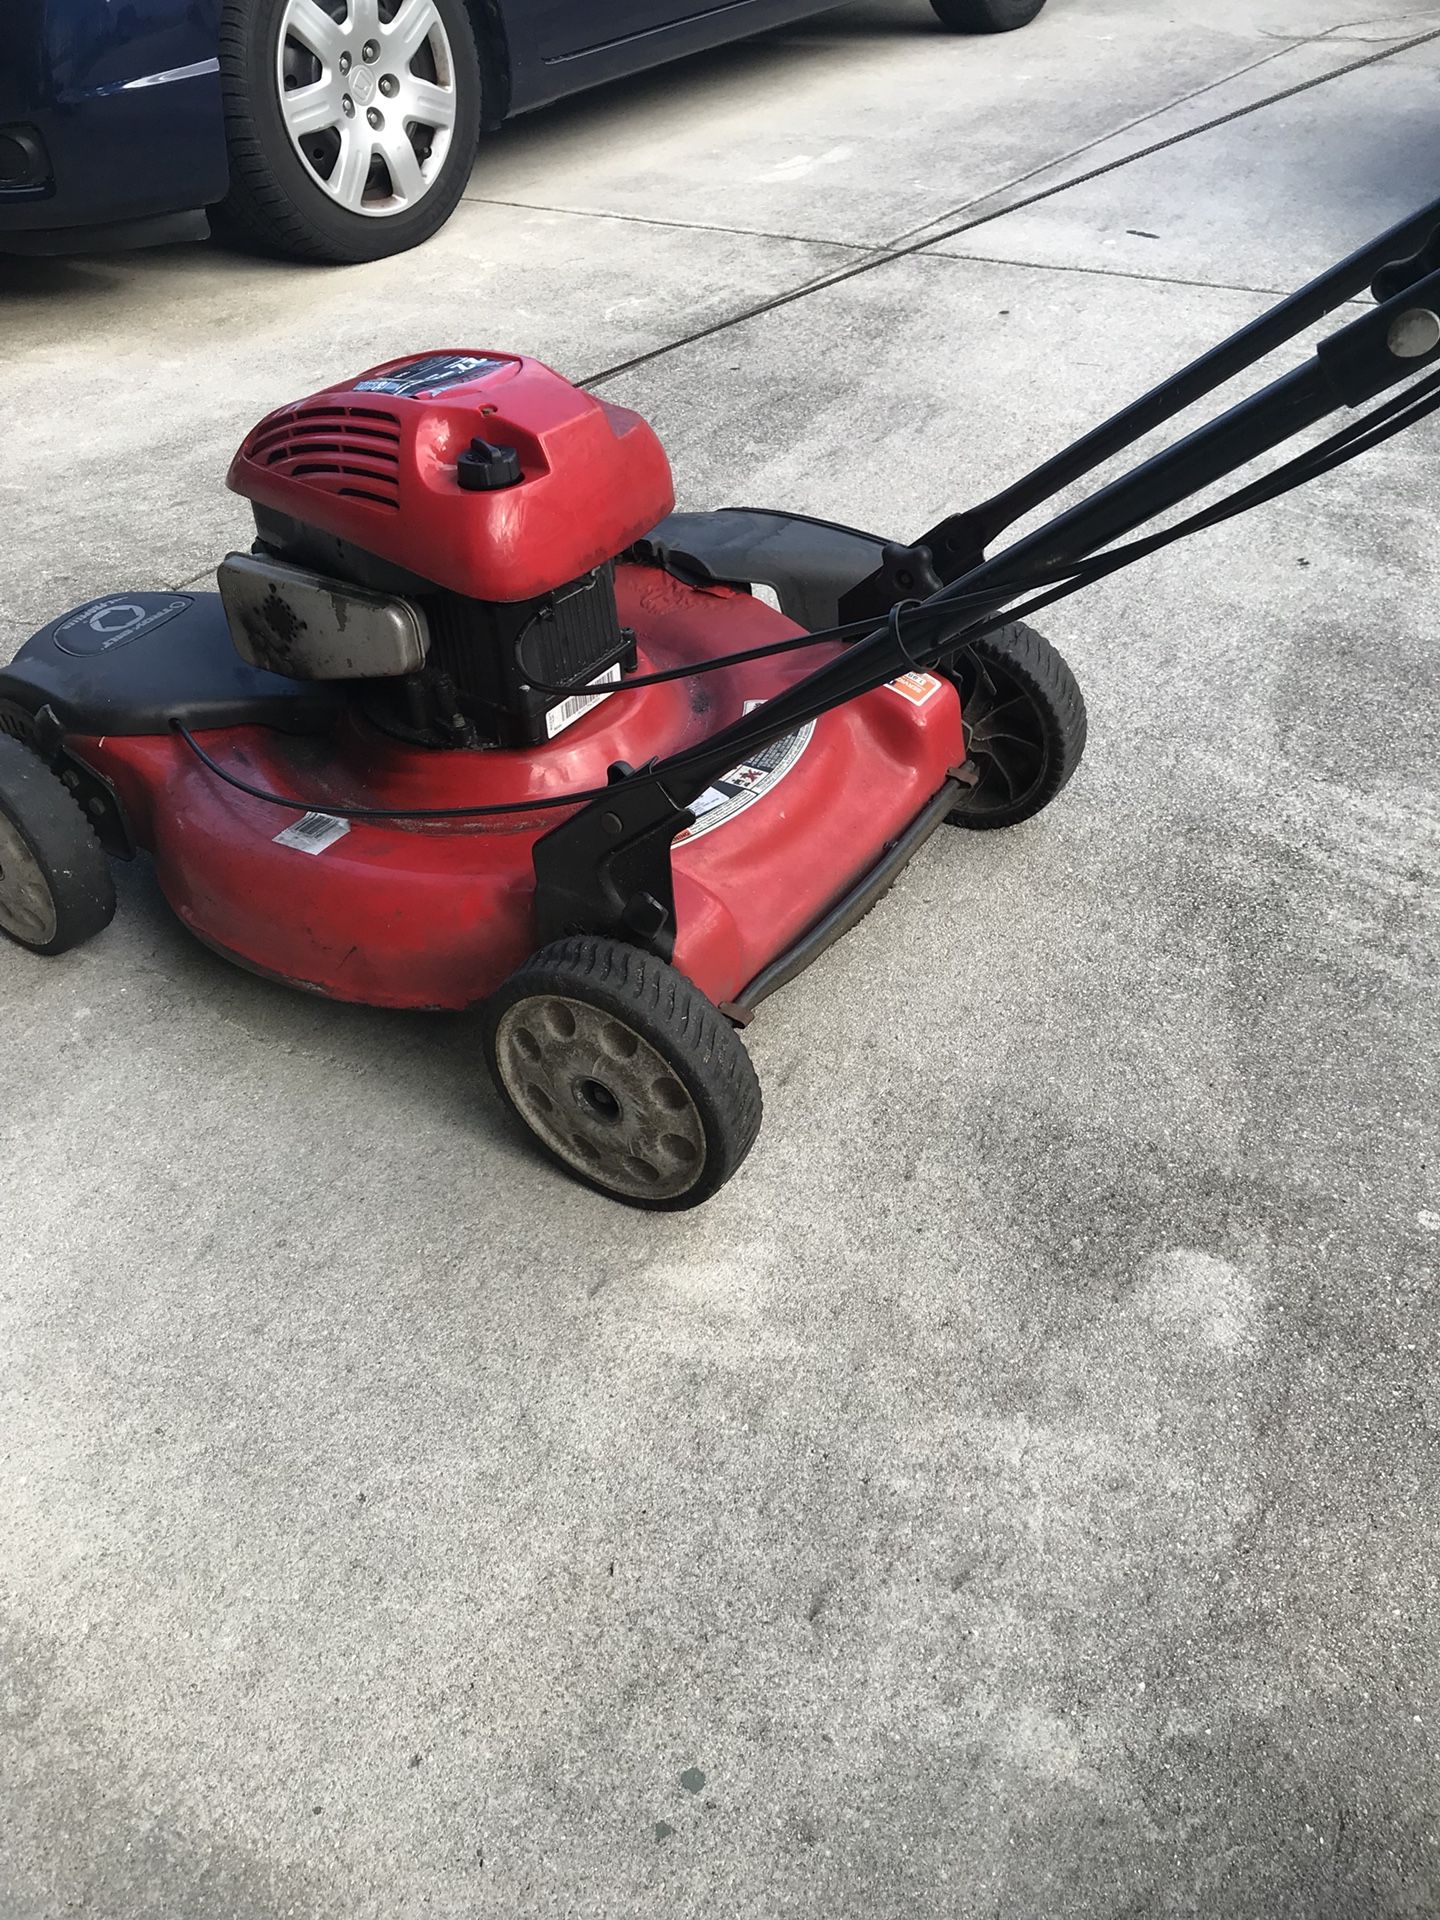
<point>601,1098</point>
<point>1003,736</point>
<point>598,1101</point>
<point>367,91</point>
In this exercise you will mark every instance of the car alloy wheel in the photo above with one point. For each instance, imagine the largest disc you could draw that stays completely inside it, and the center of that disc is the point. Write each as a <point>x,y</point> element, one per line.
<point>368,97</point>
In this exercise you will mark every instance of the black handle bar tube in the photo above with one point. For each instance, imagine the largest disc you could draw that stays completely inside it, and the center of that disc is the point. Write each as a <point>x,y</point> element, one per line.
<point>1296,401</point>
<point>607,867</point>
<point>1348,368</point>
<point>1262,336</point>
<point>1253,426</point>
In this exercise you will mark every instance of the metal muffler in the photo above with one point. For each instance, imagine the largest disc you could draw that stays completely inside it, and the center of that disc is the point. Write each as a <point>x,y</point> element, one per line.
<point>307,626</point>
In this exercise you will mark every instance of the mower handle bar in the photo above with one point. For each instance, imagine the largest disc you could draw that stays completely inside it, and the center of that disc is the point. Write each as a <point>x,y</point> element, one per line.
<point>607,867</point>
<point>1380,266</point>
<point>1351,367</point>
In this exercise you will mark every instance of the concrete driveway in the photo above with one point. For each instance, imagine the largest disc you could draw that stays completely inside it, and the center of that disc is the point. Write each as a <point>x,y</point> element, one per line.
<point>1015,1494</point>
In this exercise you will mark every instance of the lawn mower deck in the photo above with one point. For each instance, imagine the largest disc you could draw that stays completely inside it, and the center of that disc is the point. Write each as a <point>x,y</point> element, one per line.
<point>480,720</point>
<point>424,913</point>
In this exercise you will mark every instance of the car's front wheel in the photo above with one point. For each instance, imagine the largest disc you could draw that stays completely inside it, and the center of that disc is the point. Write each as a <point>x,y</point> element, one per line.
<point>351,124</point>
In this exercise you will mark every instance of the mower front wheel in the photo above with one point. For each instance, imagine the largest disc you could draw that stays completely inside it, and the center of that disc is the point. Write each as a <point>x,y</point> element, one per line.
<point>56,888</point>
<point>624,1072</point>
<point>1025,725</point>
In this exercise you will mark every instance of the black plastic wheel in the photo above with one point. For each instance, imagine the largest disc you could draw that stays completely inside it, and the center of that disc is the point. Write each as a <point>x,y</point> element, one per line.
<point>986,16</point>
<point>351,124</point>
<point>1024,719</point>
<point>56,889</point>
<point>624,1072</point>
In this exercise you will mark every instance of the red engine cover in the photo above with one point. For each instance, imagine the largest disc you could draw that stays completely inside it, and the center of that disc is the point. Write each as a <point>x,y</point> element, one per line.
<point>373,460</point>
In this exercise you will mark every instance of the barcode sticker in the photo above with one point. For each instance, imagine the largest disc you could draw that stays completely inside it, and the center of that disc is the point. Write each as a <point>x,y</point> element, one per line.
<point>313,833</point>
<point>569,711</point>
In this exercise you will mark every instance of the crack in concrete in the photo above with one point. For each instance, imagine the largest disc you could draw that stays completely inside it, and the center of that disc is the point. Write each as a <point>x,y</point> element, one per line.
<point>903,249</point>
<point>1118,273</point>
<point>683,226</point>
<point>1089,146</point>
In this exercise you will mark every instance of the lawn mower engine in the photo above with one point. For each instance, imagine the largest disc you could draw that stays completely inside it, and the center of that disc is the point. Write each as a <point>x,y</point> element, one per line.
<point>421,549</point>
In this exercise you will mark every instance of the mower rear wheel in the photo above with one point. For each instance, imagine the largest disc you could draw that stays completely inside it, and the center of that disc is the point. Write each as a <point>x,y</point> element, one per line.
<point>56,888</point>
<point>986,16</point>
<point>624,1072</point>
<point>1025,725</point>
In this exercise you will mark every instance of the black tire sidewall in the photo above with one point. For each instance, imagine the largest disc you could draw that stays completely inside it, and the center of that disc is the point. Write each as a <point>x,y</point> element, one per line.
<point>987,16</point>
<point>330,232</point>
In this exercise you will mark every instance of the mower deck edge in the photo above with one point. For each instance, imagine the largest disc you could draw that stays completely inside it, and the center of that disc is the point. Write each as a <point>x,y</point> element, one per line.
<point>849,909</point>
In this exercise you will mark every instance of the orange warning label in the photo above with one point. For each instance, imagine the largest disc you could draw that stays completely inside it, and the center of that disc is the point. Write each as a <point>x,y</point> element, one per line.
<point>917,688</point>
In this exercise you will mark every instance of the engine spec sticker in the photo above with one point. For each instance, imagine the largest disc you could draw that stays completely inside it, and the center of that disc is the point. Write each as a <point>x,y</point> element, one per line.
<point>102,624</point>
<point>742,786</point>
<point>313,833</point>
<point>432,375</point>
<point>917,688</point>
<point>569,711</point>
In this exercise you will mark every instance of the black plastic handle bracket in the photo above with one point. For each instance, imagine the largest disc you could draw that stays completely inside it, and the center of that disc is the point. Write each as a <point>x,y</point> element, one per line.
<point>607,869</point>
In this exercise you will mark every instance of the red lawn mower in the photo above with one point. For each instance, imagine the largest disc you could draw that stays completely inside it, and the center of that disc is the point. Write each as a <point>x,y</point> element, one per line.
<point>479,721</point>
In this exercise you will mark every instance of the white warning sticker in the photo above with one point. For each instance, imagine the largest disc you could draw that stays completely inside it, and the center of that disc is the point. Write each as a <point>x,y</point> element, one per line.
<point>917,688</point>
<point>742,786</point>
<point>313,833</point>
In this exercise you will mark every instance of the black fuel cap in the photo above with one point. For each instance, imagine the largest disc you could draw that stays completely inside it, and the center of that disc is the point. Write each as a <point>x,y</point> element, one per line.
<point>483,467</point>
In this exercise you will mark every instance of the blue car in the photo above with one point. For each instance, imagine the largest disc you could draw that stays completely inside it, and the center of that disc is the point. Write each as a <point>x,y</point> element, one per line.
<point>335,130</point>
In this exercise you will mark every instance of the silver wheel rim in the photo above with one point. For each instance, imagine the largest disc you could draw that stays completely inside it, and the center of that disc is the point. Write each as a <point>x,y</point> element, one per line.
<point>367,93</point>
<point>27,906</point>
<point>606,1101</point>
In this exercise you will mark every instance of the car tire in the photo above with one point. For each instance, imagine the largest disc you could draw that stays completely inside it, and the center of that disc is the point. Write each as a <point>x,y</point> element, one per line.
<point>351,124</point>
<point>986,16</point>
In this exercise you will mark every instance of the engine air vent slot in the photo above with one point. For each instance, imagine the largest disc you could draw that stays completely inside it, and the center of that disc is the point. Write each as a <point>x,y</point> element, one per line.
<point>333,446</point>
